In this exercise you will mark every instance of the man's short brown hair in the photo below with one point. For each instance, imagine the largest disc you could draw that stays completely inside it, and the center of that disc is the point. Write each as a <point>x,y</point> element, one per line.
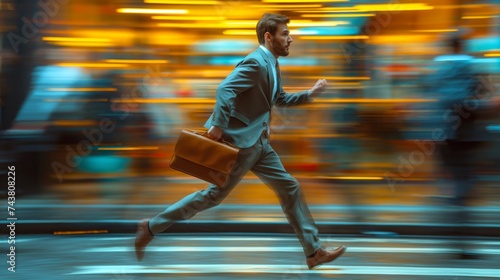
<point>269,23</point>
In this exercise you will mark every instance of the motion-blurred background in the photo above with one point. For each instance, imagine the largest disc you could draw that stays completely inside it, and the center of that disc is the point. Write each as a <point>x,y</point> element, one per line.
<point>95,92</point>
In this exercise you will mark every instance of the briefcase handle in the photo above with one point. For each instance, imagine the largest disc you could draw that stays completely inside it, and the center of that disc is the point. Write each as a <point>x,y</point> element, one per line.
<point>204,134</point>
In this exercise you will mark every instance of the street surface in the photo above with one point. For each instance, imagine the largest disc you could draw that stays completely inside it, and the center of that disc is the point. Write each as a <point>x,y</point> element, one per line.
<point>244,256</point>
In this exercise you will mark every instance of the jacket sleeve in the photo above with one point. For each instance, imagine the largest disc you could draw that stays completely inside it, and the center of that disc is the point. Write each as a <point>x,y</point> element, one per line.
<point>284,99</point>
<point>243,77</point>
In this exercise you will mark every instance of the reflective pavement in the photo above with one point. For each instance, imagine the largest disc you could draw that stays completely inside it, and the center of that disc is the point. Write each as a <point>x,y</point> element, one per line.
<point>246,256</point>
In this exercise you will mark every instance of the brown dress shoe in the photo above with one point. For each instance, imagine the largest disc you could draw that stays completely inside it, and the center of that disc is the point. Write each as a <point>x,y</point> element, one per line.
<point>142,238</point>
<point>324,256</point>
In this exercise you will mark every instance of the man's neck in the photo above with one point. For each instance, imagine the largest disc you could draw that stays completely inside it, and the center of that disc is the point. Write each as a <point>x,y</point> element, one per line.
<point>270,50</point>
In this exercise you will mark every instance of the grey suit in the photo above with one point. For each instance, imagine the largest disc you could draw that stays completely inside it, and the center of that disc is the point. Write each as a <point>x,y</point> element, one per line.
<point>244,100</point>
<point>242,110</point>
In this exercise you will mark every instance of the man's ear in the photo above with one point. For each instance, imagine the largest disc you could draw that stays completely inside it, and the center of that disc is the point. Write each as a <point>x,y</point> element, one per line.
<point>267,35</point>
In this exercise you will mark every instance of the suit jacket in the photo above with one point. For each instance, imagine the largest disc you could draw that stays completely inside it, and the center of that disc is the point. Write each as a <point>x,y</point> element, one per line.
<point>244,100</point>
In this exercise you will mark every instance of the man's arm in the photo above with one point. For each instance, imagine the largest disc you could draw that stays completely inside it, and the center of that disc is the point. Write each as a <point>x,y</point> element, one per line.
<point>243,77</point>
<point>301,97</point>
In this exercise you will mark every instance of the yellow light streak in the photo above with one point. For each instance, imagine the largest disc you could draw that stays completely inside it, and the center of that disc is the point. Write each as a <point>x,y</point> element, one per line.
<point>127,148</point>
<point>158,61</point>
<point>337,16</point>
<point>347,84</point>
<point>82,44</point>
<point>303,1</point>
<point>195,25</point>
<point>333,10</point>
<point>347,87</point>
<point>333,37</point>
<point>74,123</point>
<point>348,78</point>
<point>285,6</point>
<point>293,23</point>
<point>188,18</point>
<point>199,73</point>
<point>183,2</point>
<point>150,11</point>
<point>357,178</point>
<point>437,30</point>
<point>476,17</point>
<point>338,9</point>
<point>316,23</point>
<point>239,32</point>
<point>241,22</point>
<point>82,89</point>
<point>393,39</point>
<point>394,7</point>
<point>492,55</point>
<point>248,24</point>
<point>253,32</point>
<point>92,65</point>
<point>315,11</point>
<point>462,6</point>
<point>74,39</point>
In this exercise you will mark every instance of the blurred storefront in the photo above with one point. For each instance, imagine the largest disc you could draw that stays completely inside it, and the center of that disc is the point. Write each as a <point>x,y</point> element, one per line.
<point>98,90</point>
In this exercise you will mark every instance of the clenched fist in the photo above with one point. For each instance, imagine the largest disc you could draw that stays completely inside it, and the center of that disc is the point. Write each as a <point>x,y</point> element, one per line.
<point>318,88</point>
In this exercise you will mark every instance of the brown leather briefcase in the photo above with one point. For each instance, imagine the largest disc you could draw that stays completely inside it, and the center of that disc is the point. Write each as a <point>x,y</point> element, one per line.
<point>197,155</point>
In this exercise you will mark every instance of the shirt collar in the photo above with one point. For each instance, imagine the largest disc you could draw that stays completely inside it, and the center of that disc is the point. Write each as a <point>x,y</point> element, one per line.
<point>269,54</point>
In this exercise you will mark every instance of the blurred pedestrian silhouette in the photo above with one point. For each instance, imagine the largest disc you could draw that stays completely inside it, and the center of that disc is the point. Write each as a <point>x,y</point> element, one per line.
<point>461,104</point>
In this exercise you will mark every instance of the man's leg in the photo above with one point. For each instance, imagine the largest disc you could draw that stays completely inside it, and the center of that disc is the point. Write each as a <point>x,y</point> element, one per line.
<point>271,171</point>
<point>196,202</point>
<point>182,210</point>
<point>187,207</point>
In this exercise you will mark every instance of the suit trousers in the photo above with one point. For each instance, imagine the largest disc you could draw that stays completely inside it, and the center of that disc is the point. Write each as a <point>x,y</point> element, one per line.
<point>264,162</point>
